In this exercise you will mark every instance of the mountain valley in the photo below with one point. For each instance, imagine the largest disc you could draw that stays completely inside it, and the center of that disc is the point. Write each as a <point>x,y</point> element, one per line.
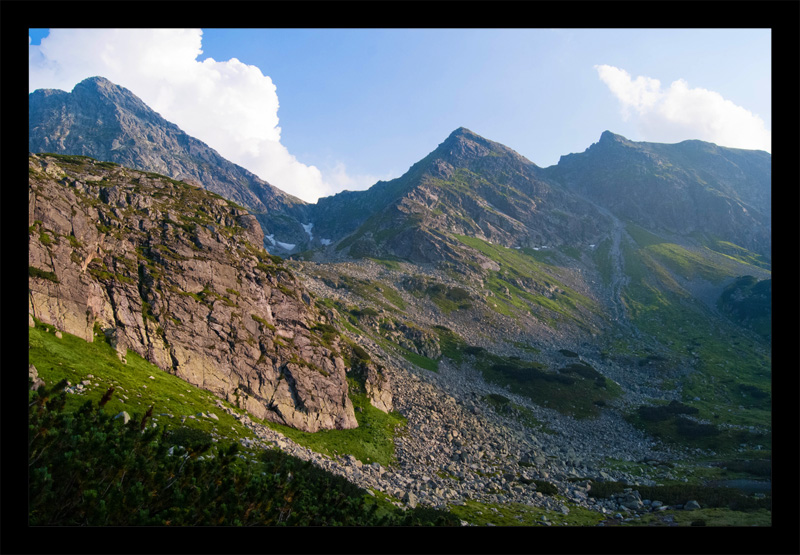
<point>584,344</point>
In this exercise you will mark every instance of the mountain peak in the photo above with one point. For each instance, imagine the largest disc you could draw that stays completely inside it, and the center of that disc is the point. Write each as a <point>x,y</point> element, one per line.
<point>463,145</point>
<point>112,94</point>
<point>609,137</point>
<point>100,85</point>
<point>462,132</point>
<point>97,80</point>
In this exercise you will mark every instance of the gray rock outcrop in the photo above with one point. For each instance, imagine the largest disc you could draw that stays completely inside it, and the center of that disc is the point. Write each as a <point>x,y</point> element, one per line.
<point>179,276</point>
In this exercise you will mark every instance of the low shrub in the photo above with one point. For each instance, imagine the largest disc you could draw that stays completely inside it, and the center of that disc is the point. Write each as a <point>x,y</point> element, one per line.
<point>87,468</point>
<point>43,274</point>
<point>545,488</point>
<point>665,412</point>
<point>428,516</point>
<point>359,353</point>
<point>691,429</point>
<point>679,494</point>
<point>367,312</point>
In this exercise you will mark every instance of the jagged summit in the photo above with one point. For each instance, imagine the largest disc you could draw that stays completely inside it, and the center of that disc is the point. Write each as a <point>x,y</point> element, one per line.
<point>463,146</point>
<point>610,137</point>
<point>102,85</point>
<point>104,97</point>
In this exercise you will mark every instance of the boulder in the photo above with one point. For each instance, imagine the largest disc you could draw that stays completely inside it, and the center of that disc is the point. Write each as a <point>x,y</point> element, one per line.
<point>410,499</point>
<point>34,375</point>
<point>691,505</point>
<point>631,500</point>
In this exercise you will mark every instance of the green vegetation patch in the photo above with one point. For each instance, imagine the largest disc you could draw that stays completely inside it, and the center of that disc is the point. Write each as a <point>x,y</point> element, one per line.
<point>516,514</point>
<point>71,358</point>
<point>447,298</point>
<point>378,293</point>
<point>371,442</point>
<point>669,424</point>
<point>748,301</point>
<point>42,274</point>
<point>602,259</point>
<point>87,468</point>
<point>679,494</point>
<point>722,356</point>
<point>578,390</point>
<point>503,405</point>
<point>706,517</point>
<point>739,254</point>
<point>525,284</point>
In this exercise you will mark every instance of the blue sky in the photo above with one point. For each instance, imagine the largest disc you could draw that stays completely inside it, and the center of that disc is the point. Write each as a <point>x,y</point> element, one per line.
<point>315,111</point>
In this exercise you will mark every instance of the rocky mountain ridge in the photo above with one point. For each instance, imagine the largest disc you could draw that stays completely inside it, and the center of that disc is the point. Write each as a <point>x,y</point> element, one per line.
<point>468,185</point>
<point>107,122</point>
<point>692,187</point>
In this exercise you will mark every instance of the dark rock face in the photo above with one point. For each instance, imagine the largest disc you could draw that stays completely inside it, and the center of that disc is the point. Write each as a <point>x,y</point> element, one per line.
<point>179,276</point>
<point>684,188</point>
<point>748,301</point>
<point>107,122</point>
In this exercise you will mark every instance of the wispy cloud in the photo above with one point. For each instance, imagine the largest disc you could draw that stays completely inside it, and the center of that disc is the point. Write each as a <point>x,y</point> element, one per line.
<point>679,112</point>
<point>231,106</point>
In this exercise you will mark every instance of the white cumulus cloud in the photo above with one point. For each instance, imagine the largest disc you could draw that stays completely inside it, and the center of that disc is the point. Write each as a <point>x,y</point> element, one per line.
<point>679,112</point>
<point>229,105</point>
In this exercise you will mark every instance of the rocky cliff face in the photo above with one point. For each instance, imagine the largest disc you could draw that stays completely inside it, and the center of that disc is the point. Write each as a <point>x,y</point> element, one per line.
<point>107,122</point>
<point>179,276</point>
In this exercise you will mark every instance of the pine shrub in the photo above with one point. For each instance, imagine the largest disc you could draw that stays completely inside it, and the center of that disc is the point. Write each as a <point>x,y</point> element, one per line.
<point>87,468</point>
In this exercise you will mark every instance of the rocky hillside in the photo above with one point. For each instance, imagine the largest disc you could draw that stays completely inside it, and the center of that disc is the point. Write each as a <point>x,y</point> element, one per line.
<point>107,122</point>
<point>179,275</point>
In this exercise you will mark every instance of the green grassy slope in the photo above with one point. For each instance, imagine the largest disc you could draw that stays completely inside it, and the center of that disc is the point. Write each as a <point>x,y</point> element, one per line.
<point>725,371</point>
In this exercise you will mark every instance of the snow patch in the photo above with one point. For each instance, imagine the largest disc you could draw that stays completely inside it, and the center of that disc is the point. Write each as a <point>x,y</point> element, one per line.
<point>308,227</point>
<point>274,243</point>
<point>325,242</point>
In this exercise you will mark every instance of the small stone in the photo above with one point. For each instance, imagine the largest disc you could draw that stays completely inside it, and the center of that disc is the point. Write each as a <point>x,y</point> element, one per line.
<point>691,505</point>
<point>125,417</point>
